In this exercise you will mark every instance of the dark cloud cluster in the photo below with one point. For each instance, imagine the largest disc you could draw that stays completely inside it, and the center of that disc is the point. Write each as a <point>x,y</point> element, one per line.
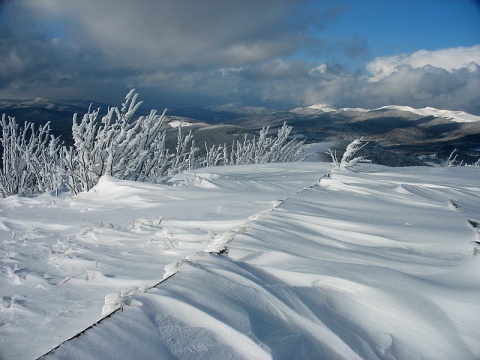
<point>189,52</point>
<point>163,45</point>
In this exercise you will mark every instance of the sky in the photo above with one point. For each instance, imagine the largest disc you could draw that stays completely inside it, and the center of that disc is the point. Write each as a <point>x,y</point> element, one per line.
<point>276,54</point>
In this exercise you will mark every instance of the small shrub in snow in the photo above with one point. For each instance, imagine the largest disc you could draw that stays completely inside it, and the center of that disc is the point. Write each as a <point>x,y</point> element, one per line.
<point>348,159</point>
<point>452,160</point>
<point>184,157</point>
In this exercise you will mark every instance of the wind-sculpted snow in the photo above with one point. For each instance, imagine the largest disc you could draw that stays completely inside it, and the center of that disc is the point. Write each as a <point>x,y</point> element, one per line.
<point>247,262</point>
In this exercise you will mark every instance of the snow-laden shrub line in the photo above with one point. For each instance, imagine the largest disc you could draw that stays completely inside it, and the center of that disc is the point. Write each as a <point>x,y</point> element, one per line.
<point>452,161</point>
<point>259,150</point>
<point>34,161</point>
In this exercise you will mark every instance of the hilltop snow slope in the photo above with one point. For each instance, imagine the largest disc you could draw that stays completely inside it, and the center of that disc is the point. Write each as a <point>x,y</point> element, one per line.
<point>377,264</point>
<point>455,116</point>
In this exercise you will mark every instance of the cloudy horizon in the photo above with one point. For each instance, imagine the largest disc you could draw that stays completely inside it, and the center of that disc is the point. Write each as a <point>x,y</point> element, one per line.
<point>279,54</point>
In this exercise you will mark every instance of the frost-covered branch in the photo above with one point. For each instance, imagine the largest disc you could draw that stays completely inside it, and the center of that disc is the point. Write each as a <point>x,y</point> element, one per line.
<point>452,160</point>
<point>348,159</point>
<point>215,155</point>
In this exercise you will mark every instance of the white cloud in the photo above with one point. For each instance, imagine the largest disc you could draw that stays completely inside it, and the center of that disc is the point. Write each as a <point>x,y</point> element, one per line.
<point>230,70</point>
<point>320,69</point>
<point>448,59</point>
<point>211,52</point>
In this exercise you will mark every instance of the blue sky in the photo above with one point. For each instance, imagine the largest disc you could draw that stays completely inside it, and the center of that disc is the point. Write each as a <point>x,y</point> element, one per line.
<point>280,54</point>
<point>407,26</point>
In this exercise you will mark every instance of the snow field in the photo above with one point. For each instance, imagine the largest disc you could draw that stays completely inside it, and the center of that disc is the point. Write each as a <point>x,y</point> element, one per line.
<point>86,249</point>
<point>377,264</point>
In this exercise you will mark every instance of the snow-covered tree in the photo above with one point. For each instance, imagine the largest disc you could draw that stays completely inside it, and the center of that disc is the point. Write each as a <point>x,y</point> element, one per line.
<point>124,148</point>
<point>30,159</point>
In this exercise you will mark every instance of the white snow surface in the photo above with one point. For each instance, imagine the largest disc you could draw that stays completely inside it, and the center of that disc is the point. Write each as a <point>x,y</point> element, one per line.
<point>374,264</point>
<point>177,123</point>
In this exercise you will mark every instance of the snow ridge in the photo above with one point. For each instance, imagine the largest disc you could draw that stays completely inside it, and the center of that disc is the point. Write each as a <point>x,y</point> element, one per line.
<point>456,116</point>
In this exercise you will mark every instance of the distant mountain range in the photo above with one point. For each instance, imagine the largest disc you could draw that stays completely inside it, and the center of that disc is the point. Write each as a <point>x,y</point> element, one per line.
<point>456,116</point>
<point>401,130</point>
<point>40,111</point>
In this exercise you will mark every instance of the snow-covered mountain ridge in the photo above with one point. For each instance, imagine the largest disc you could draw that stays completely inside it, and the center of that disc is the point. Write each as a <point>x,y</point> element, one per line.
<point>456,116</point>
<point>235,108</point>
